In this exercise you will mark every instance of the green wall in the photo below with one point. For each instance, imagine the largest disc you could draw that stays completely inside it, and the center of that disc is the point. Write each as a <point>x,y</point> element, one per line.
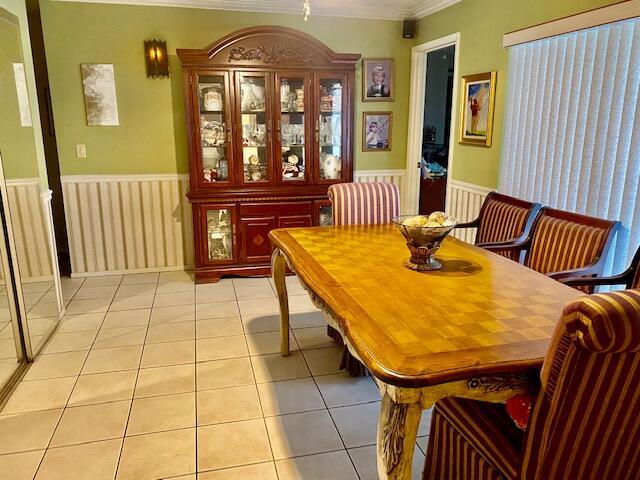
<point>481,24</point>
<point>16,142</point>
<point>30,138</point>
<point>151,137</point>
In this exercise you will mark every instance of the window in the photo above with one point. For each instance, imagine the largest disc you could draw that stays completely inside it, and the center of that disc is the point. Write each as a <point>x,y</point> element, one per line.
<point>572,126</point>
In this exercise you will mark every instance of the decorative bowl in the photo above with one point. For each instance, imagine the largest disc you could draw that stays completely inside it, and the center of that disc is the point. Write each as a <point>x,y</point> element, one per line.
<point>423,241</point>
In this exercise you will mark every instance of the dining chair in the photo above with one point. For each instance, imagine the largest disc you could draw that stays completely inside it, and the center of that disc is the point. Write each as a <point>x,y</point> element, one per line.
<point>503,219</point>
<point>361,203</point>
<point>563,244</point>
<point>630,278</point>
<point>364,203</point>
<point>583,424</point>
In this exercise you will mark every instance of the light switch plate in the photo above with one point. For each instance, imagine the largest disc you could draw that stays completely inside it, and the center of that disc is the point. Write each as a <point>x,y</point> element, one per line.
<point>81,150</point>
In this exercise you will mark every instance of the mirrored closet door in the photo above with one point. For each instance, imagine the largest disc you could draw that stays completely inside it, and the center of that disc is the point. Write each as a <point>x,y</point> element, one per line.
<point>30,302</point>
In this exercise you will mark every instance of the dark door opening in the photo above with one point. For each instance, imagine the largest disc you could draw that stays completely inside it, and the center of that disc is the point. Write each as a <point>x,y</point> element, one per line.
<point>436,129</point>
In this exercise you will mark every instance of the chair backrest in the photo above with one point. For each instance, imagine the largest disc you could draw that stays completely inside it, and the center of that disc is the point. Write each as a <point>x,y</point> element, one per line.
<point>504,218</point>
<point>364,203</point>
<point>585,423</point>
<point>564,241</point>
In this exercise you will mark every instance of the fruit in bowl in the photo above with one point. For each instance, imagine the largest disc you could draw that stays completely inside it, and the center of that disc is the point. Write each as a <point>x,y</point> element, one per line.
<point>424,234</point>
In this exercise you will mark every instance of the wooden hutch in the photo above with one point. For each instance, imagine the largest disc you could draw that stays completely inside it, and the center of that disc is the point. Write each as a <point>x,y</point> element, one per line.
<point>270,125</point>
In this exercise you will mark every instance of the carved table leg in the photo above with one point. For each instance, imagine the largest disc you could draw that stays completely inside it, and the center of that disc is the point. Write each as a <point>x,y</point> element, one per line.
<point>397,430</point>
<point>278,270</point>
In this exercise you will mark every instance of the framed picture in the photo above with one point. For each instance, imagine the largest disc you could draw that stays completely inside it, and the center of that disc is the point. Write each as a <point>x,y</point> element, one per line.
<point>376,131</point>
<point>377,80</point>
<point>99,86</point>
<point>476,108</point>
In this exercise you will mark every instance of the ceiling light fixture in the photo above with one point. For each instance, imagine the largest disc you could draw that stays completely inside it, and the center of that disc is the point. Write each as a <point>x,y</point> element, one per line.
<point>306,10</point>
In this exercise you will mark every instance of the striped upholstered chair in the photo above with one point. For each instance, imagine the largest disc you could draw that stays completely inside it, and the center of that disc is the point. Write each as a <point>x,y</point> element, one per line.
<point>364,203</point>
<point>630,278</point>
<point>503,219</point>
<point>361,204</point>
<point>564,244</point>
<point>583,424</point>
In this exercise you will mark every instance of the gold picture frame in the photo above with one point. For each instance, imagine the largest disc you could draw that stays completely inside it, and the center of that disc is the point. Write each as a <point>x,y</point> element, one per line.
<point>378,76</point>
<point>378,140</point>
<point>477,102</point>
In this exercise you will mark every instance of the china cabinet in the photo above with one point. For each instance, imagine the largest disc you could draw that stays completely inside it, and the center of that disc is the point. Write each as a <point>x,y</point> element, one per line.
<point>269,121</point>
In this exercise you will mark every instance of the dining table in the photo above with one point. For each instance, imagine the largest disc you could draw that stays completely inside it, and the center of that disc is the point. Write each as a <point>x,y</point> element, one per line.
<point>477,328</point>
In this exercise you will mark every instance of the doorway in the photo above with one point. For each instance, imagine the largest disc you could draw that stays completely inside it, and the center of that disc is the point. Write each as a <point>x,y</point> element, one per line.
<point>433,96</point>
<point>436,127</point>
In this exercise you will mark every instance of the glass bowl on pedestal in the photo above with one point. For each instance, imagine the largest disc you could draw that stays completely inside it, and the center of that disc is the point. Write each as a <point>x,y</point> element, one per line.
<point>424,234</point>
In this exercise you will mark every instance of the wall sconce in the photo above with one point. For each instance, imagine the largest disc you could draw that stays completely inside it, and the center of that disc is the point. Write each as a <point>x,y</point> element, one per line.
<point>156,59</point>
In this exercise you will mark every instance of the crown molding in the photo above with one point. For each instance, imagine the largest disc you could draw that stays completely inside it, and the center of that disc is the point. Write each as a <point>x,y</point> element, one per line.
<point>351,9</point>
<point>430,7</point>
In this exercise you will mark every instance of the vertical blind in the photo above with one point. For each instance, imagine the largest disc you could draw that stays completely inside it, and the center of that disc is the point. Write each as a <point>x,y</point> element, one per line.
<point>572,127</point>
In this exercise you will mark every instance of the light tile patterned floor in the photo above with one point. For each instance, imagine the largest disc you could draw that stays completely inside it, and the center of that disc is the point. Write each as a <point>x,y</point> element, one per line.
<point>150,377</point>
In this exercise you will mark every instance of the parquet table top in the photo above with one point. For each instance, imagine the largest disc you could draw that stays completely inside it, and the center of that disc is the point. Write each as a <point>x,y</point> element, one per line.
<point>480,314</point>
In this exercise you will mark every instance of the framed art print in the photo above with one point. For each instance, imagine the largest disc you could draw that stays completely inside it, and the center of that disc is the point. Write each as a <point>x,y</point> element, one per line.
<point>376,131</point>
<point>99,86</point>
<point>377,80</point>
<point>476,109</point>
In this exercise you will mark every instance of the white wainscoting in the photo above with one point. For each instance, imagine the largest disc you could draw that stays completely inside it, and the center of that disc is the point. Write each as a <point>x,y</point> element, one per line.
<point>463,202</point>
<point>137,223</point>
<point>128,223</point>
<point>30,228</point>
<point>389,176</point>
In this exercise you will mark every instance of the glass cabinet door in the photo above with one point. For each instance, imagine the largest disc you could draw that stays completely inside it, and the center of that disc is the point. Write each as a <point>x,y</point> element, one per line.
<point>291,127</point>
<point>329,128</point>
<point>220,230</point>
<point>255,127</point>
<point>215,129</point>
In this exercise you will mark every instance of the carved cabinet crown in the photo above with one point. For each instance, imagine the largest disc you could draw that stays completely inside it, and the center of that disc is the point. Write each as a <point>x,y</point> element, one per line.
<point>267,45</point>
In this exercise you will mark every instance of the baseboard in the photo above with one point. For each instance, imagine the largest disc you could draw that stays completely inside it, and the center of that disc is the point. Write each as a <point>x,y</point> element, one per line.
<point>132,271</point>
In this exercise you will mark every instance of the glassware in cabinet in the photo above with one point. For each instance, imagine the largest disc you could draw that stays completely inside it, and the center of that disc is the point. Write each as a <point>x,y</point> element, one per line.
<point>215,131</point>
<point>255,128</point>
<point>220,231</point>
<point>329,128</point>
<point>292,126</point>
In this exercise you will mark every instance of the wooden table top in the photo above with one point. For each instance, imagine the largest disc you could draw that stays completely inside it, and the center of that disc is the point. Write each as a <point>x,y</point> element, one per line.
<point>480,314</point>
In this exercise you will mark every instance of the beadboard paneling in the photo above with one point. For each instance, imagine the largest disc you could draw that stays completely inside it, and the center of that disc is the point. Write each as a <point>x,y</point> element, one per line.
<point>389,176</point>
<point>463,202</point>
<point>130,223</point>
<point>29,221</point>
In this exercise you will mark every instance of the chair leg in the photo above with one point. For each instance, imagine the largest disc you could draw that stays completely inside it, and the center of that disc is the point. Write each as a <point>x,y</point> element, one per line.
<point>348,362</point>
<point>352,365</point>
<point>334,334</point>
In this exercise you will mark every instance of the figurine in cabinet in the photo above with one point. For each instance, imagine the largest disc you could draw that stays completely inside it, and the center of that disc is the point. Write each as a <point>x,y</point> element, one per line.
<point>290,168</point>
<point>212,98</point>
<point>331,167</point>
<point>253,169</point>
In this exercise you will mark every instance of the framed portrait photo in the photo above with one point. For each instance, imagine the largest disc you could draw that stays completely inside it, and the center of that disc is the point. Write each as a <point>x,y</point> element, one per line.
<point>377,80</point>
<point>376,131</point>
<point>476,109</point>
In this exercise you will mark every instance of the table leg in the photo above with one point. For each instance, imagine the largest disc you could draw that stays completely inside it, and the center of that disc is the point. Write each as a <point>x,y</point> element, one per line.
<point>397,430</point>
<point>278,270</point>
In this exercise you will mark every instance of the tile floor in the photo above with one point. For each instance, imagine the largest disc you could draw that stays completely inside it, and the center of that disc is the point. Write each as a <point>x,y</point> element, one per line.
<point>150,377</point>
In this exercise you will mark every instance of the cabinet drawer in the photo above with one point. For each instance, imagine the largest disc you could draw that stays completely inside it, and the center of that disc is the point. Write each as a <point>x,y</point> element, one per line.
<point>287,221</point>
<point>272,209</point>
<point>256,247</point>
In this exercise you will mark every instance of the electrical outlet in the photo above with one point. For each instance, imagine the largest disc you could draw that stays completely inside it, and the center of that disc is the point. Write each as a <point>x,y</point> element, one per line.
<point>81,150</point>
